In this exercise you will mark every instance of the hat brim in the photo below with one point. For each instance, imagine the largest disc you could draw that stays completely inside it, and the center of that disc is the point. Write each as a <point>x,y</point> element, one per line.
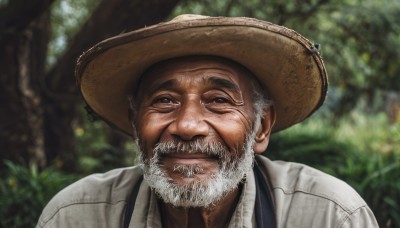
<point>283,61</point>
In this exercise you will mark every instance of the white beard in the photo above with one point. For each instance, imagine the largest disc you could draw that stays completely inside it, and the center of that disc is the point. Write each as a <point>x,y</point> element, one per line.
<point>198,194</point>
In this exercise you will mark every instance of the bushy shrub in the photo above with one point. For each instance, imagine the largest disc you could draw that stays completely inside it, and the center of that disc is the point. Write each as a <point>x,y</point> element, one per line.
<point>25,191</point>
<point>363,151</point>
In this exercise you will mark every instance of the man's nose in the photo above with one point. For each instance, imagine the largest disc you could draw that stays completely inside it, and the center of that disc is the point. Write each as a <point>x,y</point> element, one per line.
<point>189,122</point>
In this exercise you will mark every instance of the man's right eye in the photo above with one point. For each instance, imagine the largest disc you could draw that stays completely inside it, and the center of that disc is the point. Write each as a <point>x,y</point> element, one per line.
<point>163,100</point>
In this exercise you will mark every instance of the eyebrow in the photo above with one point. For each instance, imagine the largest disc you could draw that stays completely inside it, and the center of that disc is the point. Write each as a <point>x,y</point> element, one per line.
<point>164,85</point>
<point>220,82</point>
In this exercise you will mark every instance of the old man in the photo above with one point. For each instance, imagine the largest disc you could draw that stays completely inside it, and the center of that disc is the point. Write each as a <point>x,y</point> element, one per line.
<point>201,96</point>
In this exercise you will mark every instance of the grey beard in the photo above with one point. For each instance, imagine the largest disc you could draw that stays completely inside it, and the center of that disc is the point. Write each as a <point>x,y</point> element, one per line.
<point>198,194</point>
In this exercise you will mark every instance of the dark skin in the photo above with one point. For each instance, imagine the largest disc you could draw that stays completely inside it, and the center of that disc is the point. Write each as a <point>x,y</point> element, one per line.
<point>198,97</point>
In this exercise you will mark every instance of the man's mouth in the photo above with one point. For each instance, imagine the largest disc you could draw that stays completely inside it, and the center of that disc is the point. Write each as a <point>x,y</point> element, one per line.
<point>189,158</point>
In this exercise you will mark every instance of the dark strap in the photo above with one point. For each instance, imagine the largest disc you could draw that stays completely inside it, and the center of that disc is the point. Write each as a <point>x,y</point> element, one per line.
<point>265,216</point>
<point>131,203</point>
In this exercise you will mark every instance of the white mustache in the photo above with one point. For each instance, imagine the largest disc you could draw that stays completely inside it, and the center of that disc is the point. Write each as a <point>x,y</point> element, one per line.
<point>191,147</point>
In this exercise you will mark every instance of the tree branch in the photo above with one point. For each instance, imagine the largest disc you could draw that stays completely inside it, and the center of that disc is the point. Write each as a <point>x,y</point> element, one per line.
<point>110,18</point>
<point>301,13</point>
<point>18,14</point>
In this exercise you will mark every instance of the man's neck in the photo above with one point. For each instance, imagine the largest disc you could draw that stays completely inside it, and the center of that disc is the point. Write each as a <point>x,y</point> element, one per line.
<point>218,215</point>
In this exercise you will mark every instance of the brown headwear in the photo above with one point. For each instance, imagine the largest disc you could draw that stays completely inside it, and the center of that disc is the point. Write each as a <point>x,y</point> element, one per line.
<point>284,62</point>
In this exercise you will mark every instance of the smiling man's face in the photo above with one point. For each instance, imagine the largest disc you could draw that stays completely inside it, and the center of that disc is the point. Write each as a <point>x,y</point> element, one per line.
<point>195,128</point>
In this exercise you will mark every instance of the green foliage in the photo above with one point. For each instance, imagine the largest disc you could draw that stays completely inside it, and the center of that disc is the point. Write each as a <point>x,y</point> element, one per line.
<point>67,17</point>
<point>3,3</point>
<point>25,191</point>
<point>362,150</point>
<point>96,152</point>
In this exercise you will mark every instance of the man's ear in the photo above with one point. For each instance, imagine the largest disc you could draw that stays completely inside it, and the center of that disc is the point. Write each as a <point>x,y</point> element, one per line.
<point>264,131</point>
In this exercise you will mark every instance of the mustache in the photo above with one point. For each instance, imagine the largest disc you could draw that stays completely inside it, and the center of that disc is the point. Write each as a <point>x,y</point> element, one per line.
<point>191,147</point>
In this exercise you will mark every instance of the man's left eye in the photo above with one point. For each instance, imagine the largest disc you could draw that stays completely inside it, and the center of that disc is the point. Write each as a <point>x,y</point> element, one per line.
<point>220,100</point>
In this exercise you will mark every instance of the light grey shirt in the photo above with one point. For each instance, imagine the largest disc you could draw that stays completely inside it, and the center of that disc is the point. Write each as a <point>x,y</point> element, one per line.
<point>302,197</point>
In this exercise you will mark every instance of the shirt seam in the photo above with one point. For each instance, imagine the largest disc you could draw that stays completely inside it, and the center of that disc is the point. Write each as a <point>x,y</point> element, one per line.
<point>348,210</point>
<point>348,215</point>
<point>56,211</point>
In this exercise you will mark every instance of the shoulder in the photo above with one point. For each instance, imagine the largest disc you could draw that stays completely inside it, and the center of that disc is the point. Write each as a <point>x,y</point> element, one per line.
<point>97,191</point>
<point>302,191</point>
<point>291,178</point>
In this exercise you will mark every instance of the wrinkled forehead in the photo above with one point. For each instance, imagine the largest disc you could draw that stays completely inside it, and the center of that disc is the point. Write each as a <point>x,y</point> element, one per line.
<point>193,62</point>
<point>162,69</point>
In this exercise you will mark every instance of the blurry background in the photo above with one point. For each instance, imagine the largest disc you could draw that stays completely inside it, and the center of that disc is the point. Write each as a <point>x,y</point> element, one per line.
<point>47,140</point>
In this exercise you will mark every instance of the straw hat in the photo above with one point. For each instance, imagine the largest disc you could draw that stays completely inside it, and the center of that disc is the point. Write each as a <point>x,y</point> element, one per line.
<point>285,63</point>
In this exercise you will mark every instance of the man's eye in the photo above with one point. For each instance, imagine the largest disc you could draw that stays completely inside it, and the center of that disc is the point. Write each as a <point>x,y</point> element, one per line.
<point>163,100</point>
<point>220,100</point>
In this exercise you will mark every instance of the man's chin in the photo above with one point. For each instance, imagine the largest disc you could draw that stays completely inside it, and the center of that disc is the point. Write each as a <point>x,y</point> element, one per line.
<point>182,179</point>
<point>190,194</point>
<point>199,190</point>
<point>189,181</point>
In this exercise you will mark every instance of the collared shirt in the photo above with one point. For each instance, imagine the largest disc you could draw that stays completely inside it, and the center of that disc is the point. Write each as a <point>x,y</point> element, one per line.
<point>302,197</point>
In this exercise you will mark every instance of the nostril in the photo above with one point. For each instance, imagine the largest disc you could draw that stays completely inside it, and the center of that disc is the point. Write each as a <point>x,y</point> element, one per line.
<point>178,138</point>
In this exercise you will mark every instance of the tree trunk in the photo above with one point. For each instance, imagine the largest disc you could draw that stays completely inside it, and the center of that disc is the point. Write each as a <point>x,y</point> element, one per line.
<point>62,100</point>
<point>22,67</point>
<point>39,110</point>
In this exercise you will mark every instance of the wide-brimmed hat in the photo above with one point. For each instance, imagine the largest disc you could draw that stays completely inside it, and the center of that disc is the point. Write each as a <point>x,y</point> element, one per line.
<point>286,64</point>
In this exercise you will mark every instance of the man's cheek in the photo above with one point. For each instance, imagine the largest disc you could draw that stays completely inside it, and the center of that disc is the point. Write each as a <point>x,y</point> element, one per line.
<point>144,148</point>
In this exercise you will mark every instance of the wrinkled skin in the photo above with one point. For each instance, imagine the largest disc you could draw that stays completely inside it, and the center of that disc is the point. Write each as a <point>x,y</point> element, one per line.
<point>198,97</point>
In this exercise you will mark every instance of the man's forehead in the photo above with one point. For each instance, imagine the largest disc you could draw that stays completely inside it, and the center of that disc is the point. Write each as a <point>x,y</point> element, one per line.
<point>213,81</point>
<point>191,64</point>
